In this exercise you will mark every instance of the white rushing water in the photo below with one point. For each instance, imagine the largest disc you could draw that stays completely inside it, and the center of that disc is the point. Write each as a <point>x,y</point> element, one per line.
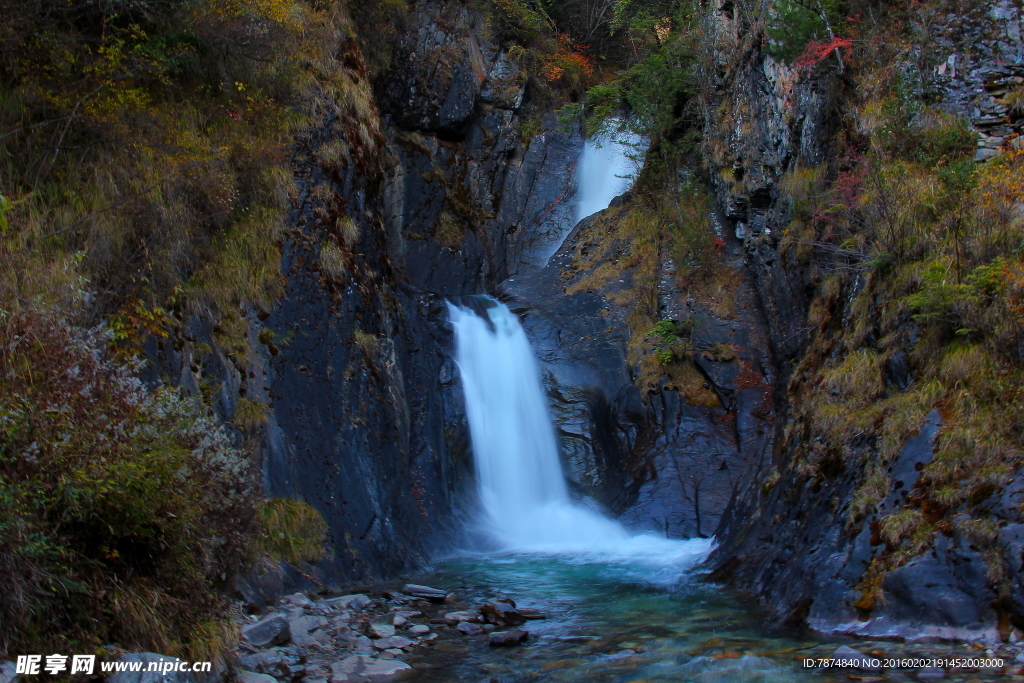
<point>604,171</point>
<point>526,504</point>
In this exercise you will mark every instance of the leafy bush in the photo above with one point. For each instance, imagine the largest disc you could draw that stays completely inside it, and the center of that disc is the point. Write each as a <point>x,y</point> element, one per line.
<point>121,510</point>
<point>649,99</point>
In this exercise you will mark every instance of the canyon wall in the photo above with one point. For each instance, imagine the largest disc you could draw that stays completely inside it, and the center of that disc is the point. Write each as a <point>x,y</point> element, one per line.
<point>797,534</point>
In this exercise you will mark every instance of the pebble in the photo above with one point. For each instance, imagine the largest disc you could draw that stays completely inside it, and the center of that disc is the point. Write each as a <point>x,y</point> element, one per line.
<point>273,630</point>
<point>394,642</point>
<point>458,617</point>
<point>419,629</point>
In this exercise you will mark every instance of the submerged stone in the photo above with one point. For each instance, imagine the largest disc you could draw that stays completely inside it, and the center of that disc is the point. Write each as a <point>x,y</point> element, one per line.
<point>508,638</point>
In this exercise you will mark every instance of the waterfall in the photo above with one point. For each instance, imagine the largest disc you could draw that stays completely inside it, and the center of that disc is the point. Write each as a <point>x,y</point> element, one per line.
<point>526,505</point>
<point>603,172</point>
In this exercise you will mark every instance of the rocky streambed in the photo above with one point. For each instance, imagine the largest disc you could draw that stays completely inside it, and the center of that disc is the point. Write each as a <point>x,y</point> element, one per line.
<point>511,617</point>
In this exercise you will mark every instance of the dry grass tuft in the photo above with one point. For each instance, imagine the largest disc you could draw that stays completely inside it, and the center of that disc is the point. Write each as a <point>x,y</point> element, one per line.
<point>293,531</point>
<point>250,416</point>
<point>333,262</point>
<point>366,342</point>
<point>348,231</point>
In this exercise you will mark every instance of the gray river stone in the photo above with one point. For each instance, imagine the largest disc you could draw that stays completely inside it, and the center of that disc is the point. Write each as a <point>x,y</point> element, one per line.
<point>382,629</point>
<point>356,601</point>
<point>508,638</point>
<point>253,677</point>
<point>392,642</point>
<point>145,676</point>
<point>362,668</point>
<point>272,630</point>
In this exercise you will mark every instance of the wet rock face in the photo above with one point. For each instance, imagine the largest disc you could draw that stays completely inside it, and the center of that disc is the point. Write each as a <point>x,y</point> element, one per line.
<point>657,461</point>
<point>808,564</point>
<point>360,427</point>
<point>778,118</point>
<point>440,69</point>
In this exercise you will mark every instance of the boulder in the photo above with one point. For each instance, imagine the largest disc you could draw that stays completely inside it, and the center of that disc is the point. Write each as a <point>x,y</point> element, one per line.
<point>356,601</point>
<point>469,629</point>
<point>502,614</point>
<point>280,664</point>
<point>392,642</point>
<point>299,600</point>
<point>363,668</point>
<point>424,592</point>
<point>855,659</point>
<point>381,629</point>
<point>145,676</point>
<point>272,630</point>
<point>508,638</point>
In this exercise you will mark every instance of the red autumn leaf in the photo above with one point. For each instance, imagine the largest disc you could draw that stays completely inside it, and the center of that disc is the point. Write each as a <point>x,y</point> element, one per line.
<point>817,50</point>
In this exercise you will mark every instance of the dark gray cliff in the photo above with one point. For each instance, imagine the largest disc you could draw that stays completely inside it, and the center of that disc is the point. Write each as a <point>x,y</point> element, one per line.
<point>406,192</point>
<point>469,203</point>
<point>786,535</point>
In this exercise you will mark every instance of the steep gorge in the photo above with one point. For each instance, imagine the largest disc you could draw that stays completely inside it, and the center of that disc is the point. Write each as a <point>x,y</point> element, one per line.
<point>751,344</point>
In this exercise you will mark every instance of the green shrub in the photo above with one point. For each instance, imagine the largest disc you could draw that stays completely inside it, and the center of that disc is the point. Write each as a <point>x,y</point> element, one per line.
<point>121,510</point>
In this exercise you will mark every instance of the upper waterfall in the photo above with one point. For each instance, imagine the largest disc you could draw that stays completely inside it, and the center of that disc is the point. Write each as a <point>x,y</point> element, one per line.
<point>604,171</point>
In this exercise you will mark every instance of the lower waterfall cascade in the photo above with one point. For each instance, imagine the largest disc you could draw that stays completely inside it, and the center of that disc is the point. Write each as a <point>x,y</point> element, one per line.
<point>524,498</point>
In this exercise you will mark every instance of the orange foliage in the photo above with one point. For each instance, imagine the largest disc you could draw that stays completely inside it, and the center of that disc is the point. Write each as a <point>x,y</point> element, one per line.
<point>567,60</point>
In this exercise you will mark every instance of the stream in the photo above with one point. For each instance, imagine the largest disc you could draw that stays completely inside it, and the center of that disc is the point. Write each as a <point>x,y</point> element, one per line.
<point>607,620</point>
<point>618,607</point>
